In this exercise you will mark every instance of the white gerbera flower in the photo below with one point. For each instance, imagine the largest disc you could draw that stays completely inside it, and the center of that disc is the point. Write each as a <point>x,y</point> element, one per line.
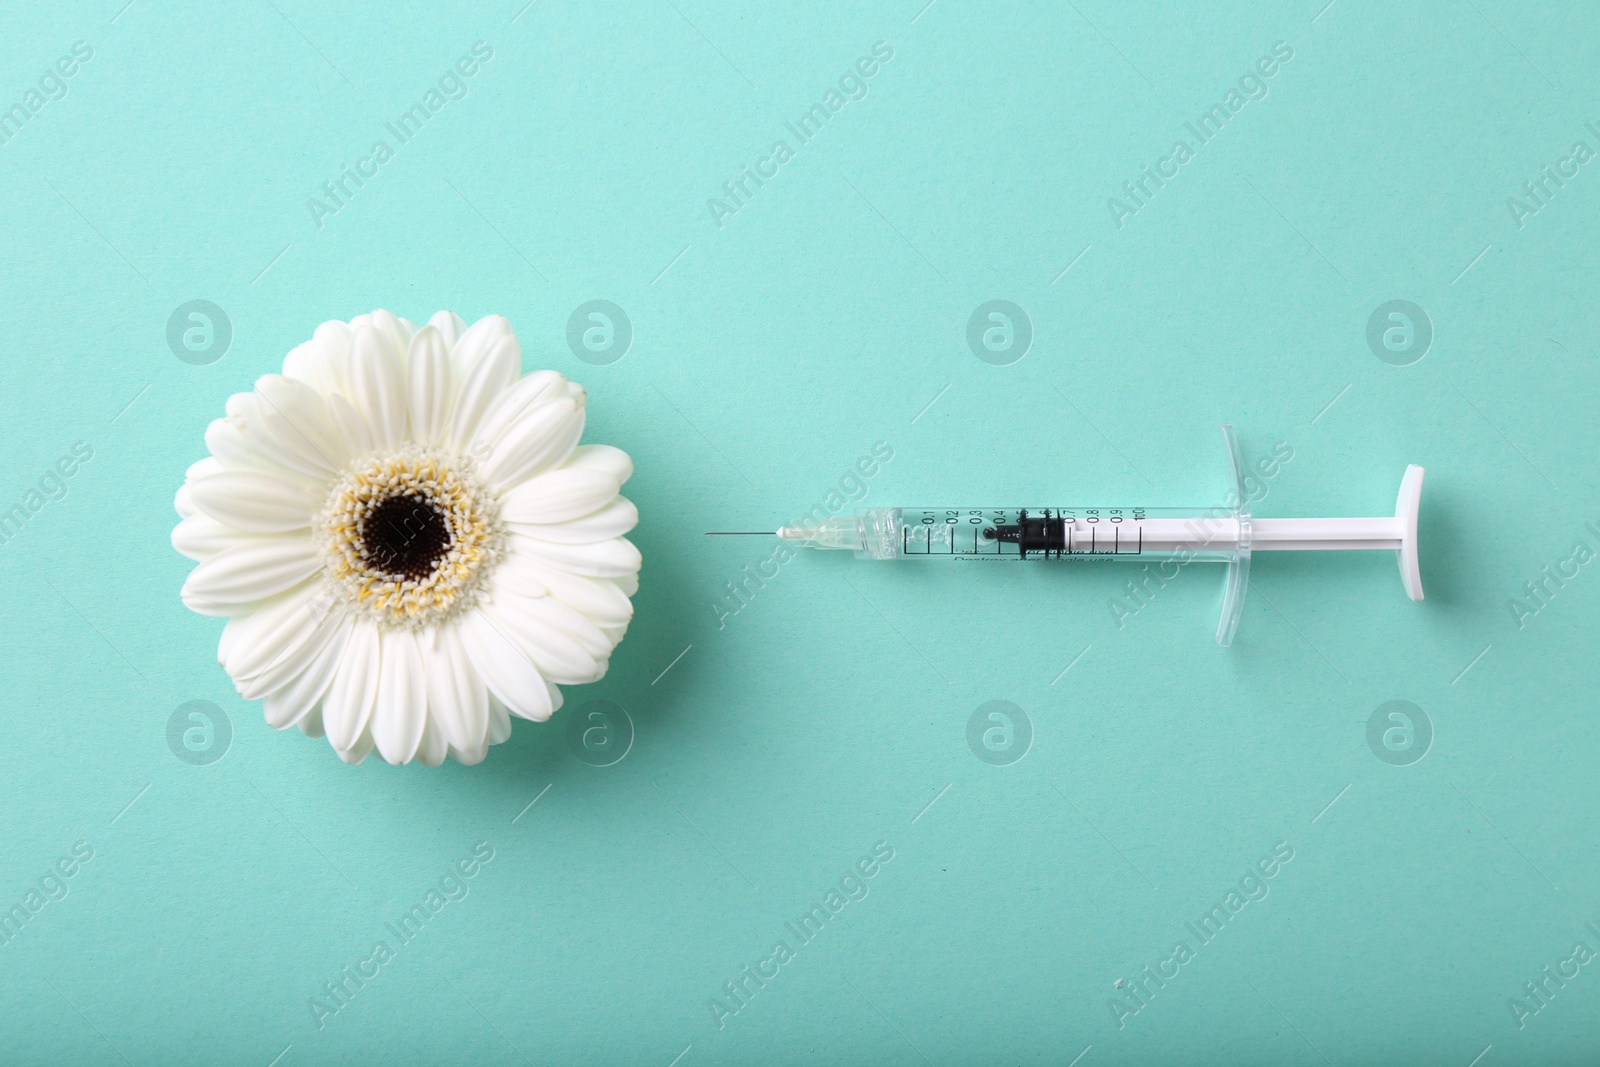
<point>408,542</point>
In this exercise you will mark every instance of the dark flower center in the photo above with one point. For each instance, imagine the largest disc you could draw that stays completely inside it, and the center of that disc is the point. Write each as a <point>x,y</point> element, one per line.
<point>404,536</point>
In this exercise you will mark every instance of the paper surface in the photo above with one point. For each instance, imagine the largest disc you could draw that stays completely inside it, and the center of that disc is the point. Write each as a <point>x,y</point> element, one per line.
<point>800,327</point>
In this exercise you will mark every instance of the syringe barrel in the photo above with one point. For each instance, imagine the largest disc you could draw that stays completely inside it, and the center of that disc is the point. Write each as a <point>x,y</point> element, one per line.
<point>1015,534</point>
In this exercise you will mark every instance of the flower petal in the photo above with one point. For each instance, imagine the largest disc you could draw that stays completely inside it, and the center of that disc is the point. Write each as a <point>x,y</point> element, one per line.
<point>249,573</point>
<point>322,361</point>
<point>255,501</point>
<point>398,330</point>
<point>200,537</point>
<point>481,382</point>
<point>305,412</point>
<point>228,643</point>
<point>227,444</point>
<point>473,343</point>
<point>290,703</point>
<point>457,699</point>
<point>520,575</point>
<point>359,750</point>
<point>428,392</point>
<point>350,425</point>
<point>347,707</point>
<point>469,757</point>
<point>401,712</point>
<point>612,462</point>
<point>529,391</point>
<point>276,435</point>
<point>613,520</point>
<point>507,672</point>
<point>534,443</point>
<point>378,385</point>
<point>433,749</point>
<point>616,558</point>
<point>558,495</point>
<point>202,467</point>
<point>557,616</point>
<point>274,645</point>
<point>449,325</point>
<point>311,723</point>
<point>253,640</point>
<point>499,721</point>
<point>597,598</point>
<point>556,654</point>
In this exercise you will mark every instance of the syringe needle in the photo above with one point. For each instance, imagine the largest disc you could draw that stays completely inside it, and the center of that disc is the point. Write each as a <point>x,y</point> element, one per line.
<point>740,533</point>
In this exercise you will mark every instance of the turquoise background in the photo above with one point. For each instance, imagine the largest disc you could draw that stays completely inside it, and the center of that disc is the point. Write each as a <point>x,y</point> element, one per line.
<point>774,748</point>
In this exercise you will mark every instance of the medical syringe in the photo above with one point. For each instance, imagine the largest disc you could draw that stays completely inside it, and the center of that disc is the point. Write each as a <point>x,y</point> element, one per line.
<point>1220,534</point>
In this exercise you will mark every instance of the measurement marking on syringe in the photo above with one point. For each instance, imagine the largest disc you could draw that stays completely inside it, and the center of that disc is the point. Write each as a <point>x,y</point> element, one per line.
<point>1057,533</point>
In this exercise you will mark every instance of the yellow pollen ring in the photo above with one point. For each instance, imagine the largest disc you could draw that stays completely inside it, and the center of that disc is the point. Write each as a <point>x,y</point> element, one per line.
<point>357,581</point>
